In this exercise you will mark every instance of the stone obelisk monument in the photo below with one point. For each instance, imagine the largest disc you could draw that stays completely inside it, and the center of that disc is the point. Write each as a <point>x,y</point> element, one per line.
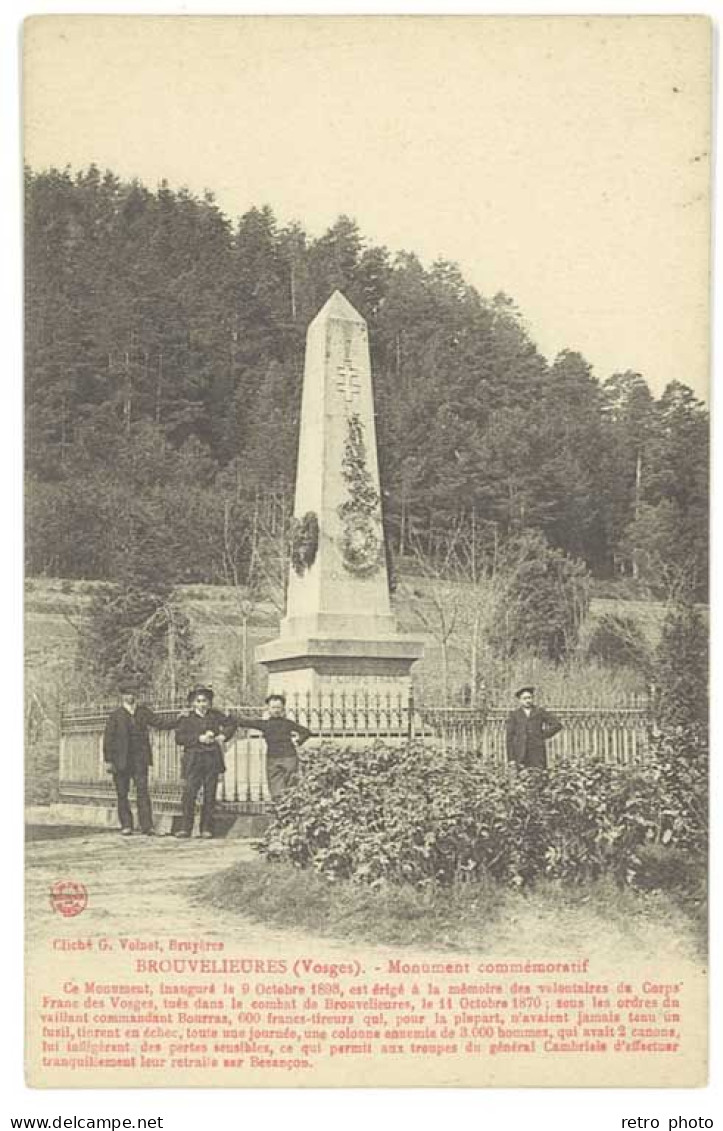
<point>339,633</point>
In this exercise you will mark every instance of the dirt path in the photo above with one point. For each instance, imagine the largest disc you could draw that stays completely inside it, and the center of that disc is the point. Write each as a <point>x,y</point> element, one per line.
<point>141,886</point>
<point>138,886</point>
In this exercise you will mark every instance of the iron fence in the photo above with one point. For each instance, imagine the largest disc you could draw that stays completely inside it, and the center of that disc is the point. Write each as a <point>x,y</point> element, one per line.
<point>618,733</point>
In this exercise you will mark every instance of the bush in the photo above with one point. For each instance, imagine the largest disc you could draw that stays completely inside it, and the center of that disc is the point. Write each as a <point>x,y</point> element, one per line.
<point>544,602</point>
<point>619,641</point>
<point>682,761</point>
<point>425,817</point>
<point>139,633</point>
<point>660,868</point>
<point>681,669</point>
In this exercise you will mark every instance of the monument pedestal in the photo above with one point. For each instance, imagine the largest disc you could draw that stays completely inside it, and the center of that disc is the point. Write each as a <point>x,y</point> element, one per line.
<point>321,667</point>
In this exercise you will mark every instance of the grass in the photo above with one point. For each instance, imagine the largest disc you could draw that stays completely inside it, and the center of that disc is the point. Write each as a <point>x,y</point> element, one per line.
<point>464,917</point>
<point>285,896</point>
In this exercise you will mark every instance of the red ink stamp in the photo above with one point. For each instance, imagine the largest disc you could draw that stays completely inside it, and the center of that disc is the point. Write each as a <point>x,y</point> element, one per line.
<point>68,898</point>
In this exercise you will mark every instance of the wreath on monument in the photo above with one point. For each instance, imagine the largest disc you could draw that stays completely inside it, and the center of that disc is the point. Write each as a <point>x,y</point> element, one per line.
<point>361,544</point>
<point>304,542</point>
<point>361,538</point>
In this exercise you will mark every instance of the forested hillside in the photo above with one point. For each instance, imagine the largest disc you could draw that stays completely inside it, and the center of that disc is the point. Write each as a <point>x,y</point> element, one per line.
<point>164,358</point>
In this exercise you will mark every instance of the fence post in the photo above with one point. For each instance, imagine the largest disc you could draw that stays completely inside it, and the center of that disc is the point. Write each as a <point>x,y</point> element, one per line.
<point>410,714</point>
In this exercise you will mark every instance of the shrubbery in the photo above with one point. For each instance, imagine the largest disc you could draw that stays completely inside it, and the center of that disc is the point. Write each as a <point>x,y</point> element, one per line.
<point>681,761</point>
<point>420,816</point>
<point>619,641</point>
<point>681,669</point>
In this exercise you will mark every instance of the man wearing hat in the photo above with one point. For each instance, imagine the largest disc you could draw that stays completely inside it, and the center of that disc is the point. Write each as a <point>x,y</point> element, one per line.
<point>128,757</point>
<point>528,729</point>
<point>202,734</point>
<point>283,738</point>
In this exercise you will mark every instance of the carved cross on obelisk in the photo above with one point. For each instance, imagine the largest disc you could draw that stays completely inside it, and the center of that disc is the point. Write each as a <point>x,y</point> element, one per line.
<point>348,382</point>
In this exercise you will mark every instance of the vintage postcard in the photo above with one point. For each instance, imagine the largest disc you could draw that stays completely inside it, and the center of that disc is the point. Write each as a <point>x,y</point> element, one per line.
<point>366,371</point>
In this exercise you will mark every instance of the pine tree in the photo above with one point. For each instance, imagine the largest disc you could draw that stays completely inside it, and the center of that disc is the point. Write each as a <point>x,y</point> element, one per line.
<point>151,309</point>
<point>681,670</point>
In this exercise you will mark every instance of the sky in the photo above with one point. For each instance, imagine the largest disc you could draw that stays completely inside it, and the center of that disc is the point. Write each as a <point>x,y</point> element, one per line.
<point>562,161</point>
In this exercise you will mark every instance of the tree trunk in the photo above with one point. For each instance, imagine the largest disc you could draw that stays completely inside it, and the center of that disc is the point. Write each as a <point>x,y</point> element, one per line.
<point>293,292</point>
<point>253,556</point>
<point>63,429</point>
<point>474,660</point>
<point>636,508</point>
<point>244,656</point>
<point>159,386</point>
<point>172,683</point>
<point>128,392</point>
<point>402,520</point>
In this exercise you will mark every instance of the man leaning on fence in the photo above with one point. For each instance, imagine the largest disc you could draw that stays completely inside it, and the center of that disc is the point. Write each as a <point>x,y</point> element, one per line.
<point>528,729</point>
<point>283,737</point>
<point>128,757</point>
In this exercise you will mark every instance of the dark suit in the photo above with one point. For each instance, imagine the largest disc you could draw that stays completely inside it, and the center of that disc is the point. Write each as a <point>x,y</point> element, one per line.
<point>202,763</point>
<point>127,750</point>
<point>527,735</point>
